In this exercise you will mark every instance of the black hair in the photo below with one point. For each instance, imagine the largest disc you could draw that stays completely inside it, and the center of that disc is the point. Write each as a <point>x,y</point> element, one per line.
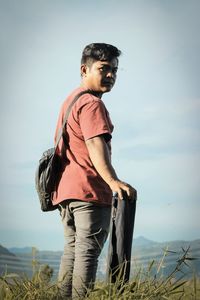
<point>99,51</point>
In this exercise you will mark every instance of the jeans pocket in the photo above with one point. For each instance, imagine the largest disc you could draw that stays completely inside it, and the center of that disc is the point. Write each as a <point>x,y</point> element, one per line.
<point>100,237</point>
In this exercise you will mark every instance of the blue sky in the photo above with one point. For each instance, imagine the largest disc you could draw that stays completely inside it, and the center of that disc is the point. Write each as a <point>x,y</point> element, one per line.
<point>155,106</point>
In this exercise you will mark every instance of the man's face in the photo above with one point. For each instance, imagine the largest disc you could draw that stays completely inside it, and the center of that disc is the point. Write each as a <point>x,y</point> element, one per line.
<point>100,76</point>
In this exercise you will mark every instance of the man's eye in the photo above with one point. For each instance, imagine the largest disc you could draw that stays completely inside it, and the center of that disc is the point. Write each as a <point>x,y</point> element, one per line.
<point>108,69</point>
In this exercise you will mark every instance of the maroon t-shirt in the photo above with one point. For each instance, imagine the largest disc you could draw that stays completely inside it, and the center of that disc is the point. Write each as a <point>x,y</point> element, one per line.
<point>80,180</point>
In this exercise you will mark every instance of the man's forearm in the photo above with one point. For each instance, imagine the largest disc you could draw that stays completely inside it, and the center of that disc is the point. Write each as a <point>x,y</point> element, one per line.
<point>100,157</point>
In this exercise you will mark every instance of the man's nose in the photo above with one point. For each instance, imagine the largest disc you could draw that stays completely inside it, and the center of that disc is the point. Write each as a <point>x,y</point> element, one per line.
<point>110,74</point>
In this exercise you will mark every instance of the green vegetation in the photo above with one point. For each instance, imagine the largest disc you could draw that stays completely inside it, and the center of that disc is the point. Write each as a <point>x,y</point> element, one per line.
<point>146,284</point>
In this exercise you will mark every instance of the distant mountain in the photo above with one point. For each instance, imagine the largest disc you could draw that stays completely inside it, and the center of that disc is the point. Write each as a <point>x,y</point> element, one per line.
<point>169,253</point>
<point>144,251</point>
<point>7,260</point>
<point>5,251</point>
<point>21,250</point>
<point>137,242</point>
<point>143,242</point>
<point>145,246</point>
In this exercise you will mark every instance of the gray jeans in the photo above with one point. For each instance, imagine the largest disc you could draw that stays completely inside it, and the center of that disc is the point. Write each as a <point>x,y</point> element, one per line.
<point>86,227</point>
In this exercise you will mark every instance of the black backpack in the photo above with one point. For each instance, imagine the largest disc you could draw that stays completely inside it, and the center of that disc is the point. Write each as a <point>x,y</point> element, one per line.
<point>50,168</point>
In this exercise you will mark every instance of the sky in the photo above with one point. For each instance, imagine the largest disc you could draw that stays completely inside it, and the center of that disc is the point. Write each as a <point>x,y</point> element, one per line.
<point>155,107</point>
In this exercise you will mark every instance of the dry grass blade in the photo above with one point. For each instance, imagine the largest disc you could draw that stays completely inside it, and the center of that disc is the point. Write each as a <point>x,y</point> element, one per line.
<point>162,260</point>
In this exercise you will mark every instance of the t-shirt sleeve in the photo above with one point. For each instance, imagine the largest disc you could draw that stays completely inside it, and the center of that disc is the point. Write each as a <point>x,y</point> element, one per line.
<point>94,120</point>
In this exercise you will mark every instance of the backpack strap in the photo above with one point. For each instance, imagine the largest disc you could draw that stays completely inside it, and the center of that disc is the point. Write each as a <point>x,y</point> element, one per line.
<point>60,133</point>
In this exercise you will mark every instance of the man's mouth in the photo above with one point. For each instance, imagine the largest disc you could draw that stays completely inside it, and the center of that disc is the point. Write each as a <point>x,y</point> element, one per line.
<point>108,83</point>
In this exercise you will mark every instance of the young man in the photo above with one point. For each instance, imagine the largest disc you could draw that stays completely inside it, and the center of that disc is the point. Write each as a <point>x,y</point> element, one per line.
<point>85,190</point>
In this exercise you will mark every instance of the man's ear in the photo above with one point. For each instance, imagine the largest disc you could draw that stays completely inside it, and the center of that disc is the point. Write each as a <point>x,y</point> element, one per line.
<point>83,70</point>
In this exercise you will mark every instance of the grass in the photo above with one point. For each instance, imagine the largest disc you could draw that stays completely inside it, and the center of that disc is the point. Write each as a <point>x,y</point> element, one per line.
<point>146,284</point>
